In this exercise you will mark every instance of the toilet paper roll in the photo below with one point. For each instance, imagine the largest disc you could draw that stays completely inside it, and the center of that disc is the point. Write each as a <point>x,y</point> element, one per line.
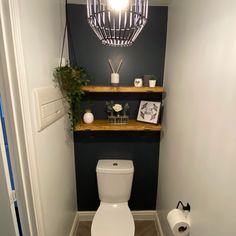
<point>179,222</point>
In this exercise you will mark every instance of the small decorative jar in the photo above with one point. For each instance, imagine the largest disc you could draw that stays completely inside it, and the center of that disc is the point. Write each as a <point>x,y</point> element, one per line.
<point>138,82</point>
<point>88,117</point>
<point>115,79</point>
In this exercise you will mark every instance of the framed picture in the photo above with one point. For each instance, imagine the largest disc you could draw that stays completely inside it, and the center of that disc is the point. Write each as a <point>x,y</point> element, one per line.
<point>149,111</point>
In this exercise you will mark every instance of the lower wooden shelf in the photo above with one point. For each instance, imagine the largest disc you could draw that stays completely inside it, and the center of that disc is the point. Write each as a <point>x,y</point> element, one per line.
<point>121,89</point>
<point>103,125</point>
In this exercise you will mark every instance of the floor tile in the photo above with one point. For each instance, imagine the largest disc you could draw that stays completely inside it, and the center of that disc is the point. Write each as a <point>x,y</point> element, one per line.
<point>142,228</point>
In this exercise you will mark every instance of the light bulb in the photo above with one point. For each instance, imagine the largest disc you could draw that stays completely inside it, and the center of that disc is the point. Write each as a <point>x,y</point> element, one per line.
<point>118,5</point>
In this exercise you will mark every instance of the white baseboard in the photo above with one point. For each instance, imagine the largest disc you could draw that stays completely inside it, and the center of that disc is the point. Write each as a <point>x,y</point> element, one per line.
<point>158,225</point>
<point>74,225</point>
<point>138,215</point>
<point>86,215</point>
<point>144,215</point>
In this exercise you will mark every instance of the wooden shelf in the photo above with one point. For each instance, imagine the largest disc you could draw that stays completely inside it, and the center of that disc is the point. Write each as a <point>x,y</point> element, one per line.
<point>121,89</point>
<point>103,125</point>
<point>133,125</point>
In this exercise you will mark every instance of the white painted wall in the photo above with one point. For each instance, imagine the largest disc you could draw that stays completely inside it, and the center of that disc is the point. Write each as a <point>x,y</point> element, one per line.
<point>42,24</point>
<point>198,146</point>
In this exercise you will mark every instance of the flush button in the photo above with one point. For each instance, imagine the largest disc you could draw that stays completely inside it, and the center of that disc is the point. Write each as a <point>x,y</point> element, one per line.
<point>115,164</point>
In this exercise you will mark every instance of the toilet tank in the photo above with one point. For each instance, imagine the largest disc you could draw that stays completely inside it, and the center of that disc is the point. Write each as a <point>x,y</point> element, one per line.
<point>114,178</point>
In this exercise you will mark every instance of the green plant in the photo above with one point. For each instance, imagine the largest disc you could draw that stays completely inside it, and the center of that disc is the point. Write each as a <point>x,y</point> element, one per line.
<point>126,108</point>
<point>70,80</point>
<point>109,106</point>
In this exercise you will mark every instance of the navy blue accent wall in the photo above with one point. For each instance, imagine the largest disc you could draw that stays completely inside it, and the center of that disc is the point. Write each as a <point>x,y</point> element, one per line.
<point>146,56</point>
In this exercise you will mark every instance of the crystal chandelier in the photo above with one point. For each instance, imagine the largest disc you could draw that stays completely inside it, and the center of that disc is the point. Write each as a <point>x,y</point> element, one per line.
<point>117,22</point>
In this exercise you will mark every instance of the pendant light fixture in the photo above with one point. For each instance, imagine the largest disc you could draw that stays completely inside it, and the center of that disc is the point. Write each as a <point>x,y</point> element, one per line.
<point>117,22</point>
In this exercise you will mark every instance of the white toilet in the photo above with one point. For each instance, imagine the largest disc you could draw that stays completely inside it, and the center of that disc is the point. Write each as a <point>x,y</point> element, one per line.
<point>113,217</point>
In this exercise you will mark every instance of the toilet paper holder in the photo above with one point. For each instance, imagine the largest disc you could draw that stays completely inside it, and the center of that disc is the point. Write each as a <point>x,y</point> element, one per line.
<point>185,208</point>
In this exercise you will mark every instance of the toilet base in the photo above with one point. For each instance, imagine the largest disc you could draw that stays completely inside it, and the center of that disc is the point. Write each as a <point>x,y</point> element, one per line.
<point>113,220</point>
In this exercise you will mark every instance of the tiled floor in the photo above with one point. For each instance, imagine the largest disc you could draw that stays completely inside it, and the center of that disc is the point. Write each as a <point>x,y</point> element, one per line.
<point>142,228</point>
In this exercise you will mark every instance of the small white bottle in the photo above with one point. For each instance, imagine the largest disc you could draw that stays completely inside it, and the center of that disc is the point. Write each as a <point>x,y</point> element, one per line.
<point>88,117</point>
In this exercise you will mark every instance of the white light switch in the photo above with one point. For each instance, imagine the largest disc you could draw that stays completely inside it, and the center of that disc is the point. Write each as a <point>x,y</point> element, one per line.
<point>50,106</point>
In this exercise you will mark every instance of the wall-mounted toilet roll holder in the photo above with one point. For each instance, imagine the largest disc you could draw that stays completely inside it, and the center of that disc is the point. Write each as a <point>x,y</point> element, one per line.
<point>185,208</point>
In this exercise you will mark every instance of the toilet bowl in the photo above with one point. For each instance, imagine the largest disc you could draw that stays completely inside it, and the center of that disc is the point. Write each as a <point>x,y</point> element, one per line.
<point>113,220</point>
<point>113,217</point>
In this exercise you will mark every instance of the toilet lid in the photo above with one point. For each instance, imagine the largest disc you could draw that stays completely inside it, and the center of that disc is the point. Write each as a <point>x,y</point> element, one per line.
<point>113,220</point>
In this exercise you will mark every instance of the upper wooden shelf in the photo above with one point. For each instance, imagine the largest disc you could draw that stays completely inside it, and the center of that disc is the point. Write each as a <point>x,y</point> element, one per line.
<point>103,125</point>
<point>121,89</point>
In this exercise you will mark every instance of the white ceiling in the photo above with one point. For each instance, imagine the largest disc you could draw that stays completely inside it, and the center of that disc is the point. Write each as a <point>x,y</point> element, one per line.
<point>151,2</point>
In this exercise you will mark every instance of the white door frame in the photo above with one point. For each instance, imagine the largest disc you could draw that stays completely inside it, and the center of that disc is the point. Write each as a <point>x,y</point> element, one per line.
<point>15,99</point>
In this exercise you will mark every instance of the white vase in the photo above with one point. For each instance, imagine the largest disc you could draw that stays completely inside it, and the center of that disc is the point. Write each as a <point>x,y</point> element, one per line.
<point>88,117</point>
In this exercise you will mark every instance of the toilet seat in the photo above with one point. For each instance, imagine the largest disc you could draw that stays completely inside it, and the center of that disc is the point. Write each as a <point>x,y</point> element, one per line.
<point>113,220</point>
